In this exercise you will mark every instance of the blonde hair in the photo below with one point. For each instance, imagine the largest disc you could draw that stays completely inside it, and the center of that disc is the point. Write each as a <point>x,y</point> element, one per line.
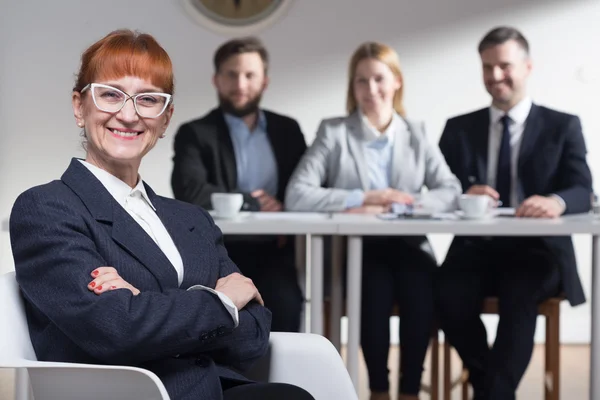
<point>384,54</point>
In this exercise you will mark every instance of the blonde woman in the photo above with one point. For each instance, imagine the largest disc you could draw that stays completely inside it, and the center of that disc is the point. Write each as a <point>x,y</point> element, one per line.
<point>364,163</point>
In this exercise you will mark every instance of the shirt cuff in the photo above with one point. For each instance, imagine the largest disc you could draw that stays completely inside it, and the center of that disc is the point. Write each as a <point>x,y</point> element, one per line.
<point>225,300</point>
<point>560,200</point>
<point>355,199</point>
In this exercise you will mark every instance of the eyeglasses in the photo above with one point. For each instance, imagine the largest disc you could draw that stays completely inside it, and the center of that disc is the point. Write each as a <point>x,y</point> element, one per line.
<point>112,100</point>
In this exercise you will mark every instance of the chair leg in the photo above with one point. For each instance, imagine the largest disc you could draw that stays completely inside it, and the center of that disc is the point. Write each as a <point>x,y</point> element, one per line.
<point>22,387</point>
<point>465,384</point>
<point>327,320</point>
<point>447,371</point>
<point>552,381</point>
<point>435,365</point>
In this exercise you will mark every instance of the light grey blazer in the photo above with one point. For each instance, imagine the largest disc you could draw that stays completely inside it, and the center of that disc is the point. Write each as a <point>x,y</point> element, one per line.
<point>334,165</point>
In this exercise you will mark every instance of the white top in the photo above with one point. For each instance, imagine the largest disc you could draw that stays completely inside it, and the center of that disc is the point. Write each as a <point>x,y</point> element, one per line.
<point>137,204</point>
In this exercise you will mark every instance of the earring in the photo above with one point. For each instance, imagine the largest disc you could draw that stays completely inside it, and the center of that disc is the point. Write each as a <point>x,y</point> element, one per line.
<point>162,136</point>
<point>80,124</point>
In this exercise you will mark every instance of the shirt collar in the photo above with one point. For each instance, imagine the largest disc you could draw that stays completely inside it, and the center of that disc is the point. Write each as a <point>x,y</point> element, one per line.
<point>116,187</point>
<point>235,122</point>
<point>371,133</point>
<point>518,114</point>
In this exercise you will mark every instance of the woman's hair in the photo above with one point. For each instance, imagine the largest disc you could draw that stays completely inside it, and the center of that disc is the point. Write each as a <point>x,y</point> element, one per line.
<point>386,55</point>
<point>126,53</point>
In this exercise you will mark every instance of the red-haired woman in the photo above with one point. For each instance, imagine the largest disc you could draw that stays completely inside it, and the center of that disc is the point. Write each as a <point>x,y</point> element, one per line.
<point>111,272</point>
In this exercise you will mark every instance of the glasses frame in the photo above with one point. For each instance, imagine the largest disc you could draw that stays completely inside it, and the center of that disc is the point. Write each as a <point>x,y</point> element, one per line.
<point>92,86</point>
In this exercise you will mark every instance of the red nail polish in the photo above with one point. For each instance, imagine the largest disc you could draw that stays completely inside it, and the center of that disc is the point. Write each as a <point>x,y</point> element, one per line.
<point>93,284</point>
<point>99,287</point>
<point>113,287</point>
<point>95,273</point>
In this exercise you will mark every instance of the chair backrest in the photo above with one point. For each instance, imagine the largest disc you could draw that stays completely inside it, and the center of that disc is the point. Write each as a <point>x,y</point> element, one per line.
<point>15,343</point>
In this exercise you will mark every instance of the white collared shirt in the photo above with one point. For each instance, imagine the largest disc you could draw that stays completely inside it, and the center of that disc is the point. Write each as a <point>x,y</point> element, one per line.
<point>518,118</point>
<point>138,205</point>
<point>378,152</point>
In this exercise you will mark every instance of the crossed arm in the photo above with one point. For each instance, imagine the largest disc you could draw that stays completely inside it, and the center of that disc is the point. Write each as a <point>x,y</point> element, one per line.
<point>54,256</point>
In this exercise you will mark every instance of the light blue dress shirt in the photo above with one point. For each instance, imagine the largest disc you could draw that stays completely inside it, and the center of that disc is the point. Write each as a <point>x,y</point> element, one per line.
<point>254,158</point>
<point>378,151</point>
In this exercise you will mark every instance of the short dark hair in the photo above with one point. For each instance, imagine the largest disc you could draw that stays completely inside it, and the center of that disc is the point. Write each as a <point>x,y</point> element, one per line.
<point>233,47</point>
<point>502,35</point>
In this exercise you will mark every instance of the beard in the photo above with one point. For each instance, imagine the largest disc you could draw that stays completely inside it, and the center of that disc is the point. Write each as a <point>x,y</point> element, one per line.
<point>506,96</point>
<point>248,108</point>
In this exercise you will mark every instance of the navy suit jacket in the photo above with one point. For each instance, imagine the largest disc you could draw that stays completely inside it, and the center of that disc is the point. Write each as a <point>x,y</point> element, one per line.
<point>552,160</point>
<point>60,232</point>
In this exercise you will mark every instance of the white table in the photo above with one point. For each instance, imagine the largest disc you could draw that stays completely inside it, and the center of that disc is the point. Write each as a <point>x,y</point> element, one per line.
<point>314,225</point>
<point>357,226</point>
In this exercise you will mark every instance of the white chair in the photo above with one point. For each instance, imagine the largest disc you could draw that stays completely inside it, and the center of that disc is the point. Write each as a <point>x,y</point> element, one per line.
<point>306,360</point>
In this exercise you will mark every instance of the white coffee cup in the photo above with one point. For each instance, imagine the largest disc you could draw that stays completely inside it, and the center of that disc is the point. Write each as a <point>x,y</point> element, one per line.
<point>227,205</point>
<point>474,205</point>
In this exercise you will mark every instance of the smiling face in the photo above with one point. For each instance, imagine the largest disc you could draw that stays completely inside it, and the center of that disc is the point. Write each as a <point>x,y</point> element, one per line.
<point>375,86</point>
<point>240,83</point>
<point>119,140</point>
<point>506,68</point>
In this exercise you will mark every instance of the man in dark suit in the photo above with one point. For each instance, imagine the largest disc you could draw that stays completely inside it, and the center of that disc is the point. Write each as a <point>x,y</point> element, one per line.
<point>241,148</point>
<point>534,159</point>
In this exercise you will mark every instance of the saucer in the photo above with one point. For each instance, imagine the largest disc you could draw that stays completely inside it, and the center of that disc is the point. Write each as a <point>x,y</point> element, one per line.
<point>240,215</point>
<point>461,214</point>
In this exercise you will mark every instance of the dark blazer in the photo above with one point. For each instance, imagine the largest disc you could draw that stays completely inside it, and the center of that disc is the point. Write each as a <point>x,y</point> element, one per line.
<point>60,232</point>
<point>204,160</point>
<point>552,160</point>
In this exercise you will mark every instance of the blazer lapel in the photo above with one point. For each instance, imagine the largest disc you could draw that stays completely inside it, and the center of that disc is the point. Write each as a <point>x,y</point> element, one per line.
<point>479,135</point>
<point>225,144</point>
<point>125,231</point>
<point>402,157</point>
<point>533,129</point>
<point>129,235</point>
<point>355,136</point>
<point>181,229</point>
<point>278,146</point>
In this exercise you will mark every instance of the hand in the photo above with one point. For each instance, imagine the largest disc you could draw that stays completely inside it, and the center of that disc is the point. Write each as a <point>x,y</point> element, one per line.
<point>107,279</point>
<point>368,210</point>
<point>266,201</point>
<point>239,289</point>
<point>484,190</point>
<point>540,207</point>
<point>385,197</point>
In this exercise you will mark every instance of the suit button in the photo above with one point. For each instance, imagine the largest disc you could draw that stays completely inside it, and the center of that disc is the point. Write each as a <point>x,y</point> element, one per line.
<point>221,330</point>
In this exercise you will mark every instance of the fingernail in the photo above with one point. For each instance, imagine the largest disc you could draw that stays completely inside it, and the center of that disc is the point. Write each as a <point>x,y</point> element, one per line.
<point>99,287</point>
<point>113,287</point>
<point>95,273</point>
<point>93,284</point>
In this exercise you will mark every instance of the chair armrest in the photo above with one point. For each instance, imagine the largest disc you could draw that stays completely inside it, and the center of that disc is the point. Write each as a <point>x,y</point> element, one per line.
<point>306,360</point>
<point>69,381</point>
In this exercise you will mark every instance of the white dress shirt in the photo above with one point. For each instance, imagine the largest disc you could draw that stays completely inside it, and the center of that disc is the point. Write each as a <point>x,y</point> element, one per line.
<point>138,205</point>
<point>518,118</point>
<point>517,121</point>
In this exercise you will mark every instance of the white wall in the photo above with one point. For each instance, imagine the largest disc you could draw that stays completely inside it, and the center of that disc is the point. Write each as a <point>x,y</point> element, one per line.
<point>41,41</point>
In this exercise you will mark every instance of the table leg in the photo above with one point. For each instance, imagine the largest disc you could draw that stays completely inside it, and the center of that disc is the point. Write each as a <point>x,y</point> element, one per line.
<point>316,284</point>
<point>336,291</point>
<point>353,301</point>
<point>22,389</point>
<point>595,339</point>
<point>303,278</point>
